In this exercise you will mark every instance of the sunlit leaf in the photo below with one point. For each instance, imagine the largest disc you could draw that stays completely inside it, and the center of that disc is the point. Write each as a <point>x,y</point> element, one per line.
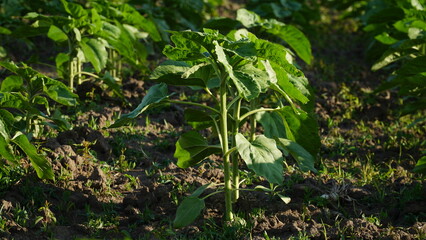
<point>95,51</point>
<point>262,156</point>
<point>155,95</point>
<point>56,34</point>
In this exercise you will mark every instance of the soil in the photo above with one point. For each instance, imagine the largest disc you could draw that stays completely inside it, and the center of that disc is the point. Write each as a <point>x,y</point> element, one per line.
<point>80,155</point>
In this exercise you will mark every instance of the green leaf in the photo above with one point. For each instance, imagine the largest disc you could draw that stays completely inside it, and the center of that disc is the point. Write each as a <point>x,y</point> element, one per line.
<point>156,94</point>
<point>301,83</point>
<point>169,67</point>
<point>12,83</point>
<point>77,34</point>
<point>421,165</point>
<point>396,52</point>
<point>95,51</point>
<point>132,16</point>
<point>125,40</point>
<point>247,87</point>
<point>277,55</point>
<point>413,67</point>
<point>198,119</point>
<point>75,10</point>
<point>262,156</point>
<point>290,34</point>
<point>301,128</point>
<point>56,34</point>
<point>286,87</point>
<point>175,73</point>
<point>61,61</point>
<point>247,18</point>
<point>305,160</point>
<point>185,49</point>
<point>205,72</point>
<point>110,31</point>
<point>6,151</point>
<point>261,77</point>
<point>203,41</point>
<point>96,23</point>
<point>59,92</point>
<point>40,164</point>
<point>221,24</point>
<point>14,100</point>
<point>385,38</point>
<point>293,36</point>
<point>272,124</point>
<point>201,189</point>
<point>3,52</point>
<point>189,209</point>
<point>5,148</point>
<point>5,31</point>
<point>192,148</point>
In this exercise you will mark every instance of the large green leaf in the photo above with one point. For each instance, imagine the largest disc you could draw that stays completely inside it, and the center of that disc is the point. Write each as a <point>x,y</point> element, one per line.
<point>12,83</point>
<point>205,39</point>
<point>247,87</point>
<point>301,128</point>
<point>421,165</point>
<point>176,73</point>
<point>261,77</point>
<point>4,30</point>
<point>75,10</point>
<point>40,164</point>
<point>305,160</point>
<point>189,209</point>
<point>132,16</point>
<point>96,22</point>
<point>276,54</point>
<point>396,52</point>
<point>61,62</point>
<point>14,100</point>
<point>156,94</point>
<point>272,124</point>
<point>56,34</point>
<point>293,36</point>
<point>95,51</point>
<point>168,68</point>
<point>38,83</point>
<point>125,40</point>
<point>286,87</point>
<point>205,72</point>
<point>290,34</point>
<point>185,49</point>
<point>248,18</point>
<point>262,156</point>
<point>198,119</point>
<point>192,148</point>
